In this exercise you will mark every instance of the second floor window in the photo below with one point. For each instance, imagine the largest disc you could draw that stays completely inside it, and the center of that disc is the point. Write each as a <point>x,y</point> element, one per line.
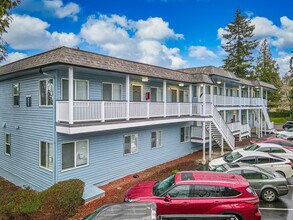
<point>80,89</point>
<point>46,92</point>
<point>15,94</point>
<point>112,91</point>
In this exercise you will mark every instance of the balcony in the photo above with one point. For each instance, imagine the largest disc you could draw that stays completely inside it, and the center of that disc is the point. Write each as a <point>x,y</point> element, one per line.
<point>235,127</point>
<point>220,100</point>
<point>101,111</point>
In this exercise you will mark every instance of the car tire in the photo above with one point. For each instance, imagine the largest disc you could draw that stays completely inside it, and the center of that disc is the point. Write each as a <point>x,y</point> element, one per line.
<point>269,195</point>
<point>238,217</point>
<point>282,173</point>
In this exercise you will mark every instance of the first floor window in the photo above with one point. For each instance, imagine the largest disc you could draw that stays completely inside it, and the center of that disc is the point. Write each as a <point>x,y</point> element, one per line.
<point>130,144</point>
<point>7,143</point>
<point>46,155</point>
<point>185,134</point>
<point>46,92</point>
<point>74,154</point>
<point>15,94</point>
<point>156,139</point>
<point>112,91</point>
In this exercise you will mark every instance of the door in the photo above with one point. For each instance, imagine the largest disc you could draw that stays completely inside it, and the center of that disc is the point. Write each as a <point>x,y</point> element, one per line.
<point>154,92</point>
<point>256,179</point>
<point>173,95</point>
<point>136,92</point>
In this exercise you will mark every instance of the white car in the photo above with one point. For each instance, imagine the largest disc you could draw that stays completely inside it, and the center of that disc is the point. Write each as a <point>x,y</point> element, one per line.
<point>269,148</point>
<point>266,161</point>
<point>285,134</point>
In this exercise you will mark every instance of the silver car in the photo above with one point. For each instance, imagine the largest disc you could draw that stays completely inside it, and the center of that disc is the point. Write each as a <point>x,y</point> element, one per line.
<point>268,185</point>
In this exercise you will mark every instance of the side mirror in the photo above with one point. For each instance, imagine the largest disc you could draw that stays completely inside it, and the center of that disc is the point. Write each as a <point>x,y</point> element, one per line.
<point>167,198</point>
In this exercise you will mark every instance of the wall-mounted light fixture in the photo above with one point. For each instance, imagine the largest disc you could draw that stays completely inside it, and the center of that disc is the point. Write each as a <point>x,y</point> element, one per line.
<point>4,125</point>
<point>145,79</point>
<point>219,82</point>
<point>201,85</point>
<point>243,87</point>
<point>181,84</point>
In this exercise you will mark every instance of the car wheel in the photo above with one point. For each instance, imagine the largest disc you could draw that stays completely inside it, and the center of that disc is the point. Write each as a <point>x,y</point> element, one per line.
<point>269,195</point>
<point>236,217</point>
<point>280,172</point>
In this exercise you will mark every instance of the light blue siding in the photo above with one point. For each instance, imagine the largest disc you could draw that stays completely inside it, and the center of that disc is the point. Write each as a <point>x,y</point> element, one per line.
<point>107,160</point>
<point>27,126</point>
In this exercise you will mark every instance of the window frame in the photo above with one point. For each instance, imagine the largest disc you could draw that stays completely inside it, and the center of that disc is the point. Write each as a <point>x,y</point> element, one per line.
<point>74,85</point>
<point>158,97</point>
<point>16,95</point>
<point>131,135</point>
<point>47,153</point>
<point>6,143</point>
<point>112,90</point>
<point>40,94</point>
<point>156,131</point>
<point>188,139</point>
<point>75,167</point>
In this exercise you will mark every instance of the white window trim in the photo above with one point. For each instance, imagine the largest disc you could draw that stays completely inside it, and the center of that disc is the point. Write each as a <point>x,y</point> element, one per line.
<point>110,83</point>
<point>47,148</point>
<point>188,140</point>
<point>156,137</point>
<point>5,143</point>
<point>82,80</point>
<point>75,167</point>
<point>40,101</point>
<point>141,89</point>
<point>14,95</point>
<point>135,134</point>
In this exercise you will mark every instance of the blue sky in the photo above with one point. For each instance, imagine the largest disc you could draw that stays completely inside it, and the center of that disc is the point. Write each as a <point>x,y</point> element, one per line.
<point>170,33</point>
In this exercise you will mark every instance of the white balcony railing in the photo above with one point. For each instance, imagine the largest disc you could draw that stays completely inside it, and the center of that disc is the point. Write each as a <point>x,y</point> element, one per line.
<point>245,129</point>
<point>220,100</point>
<point>236,126</point>
<point>115,110</point>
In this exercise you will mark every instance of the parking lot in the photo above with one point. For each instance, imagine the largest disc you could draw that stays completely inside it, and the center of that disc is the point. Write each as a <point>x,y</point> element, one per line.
<point>282,208</point>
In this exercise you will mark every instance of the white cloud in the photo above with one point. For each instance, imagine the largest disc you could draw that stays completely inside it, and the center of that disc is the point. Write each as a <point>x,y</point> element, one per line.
<point>14,56</point>
<point>142,40</point>
<point>61,11</point>
<point>283,61</point>
<point>26,32</point>
<point>201,52</point>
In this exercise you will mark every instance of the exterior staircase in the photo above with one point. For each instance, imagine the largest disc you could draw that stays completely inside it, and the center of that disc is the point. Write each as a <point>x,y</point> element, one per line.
<point>269,124</point>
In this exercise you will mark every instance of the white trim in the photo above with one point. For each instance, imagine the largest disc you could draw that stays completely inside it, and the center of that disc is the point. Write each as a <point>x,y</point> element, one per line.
<point>107,127</point>
<point>75,167</point>
<point>160,130</point>
<point>40,96</point>
<point>141,89</point>
<point>111,83</point>
<point>47,148</point>
<point>74,80</point>
<point>6,143</point>
<point>131,135</point>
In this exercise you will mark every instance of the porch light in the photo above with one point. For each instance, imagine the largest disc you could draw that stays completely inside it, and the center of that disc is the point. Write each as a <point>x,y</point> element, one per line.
<point>256,87</point>
<point>243,87</point>
<point>145,79</point>
<point>201,85</point>
<point>181,84</point>
<point>219,82</point>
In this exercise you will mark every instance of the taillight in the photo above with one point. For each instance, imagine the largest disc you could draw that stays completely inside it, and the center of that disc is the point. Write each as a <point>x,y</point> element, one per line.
<point>252,202</point>
<point>251,191</point>
<point>289,163</point>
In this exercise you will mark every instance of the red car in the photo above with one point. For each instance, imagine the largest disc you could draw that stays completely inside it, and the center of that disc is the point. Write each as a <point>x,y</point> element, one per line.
<point>283,142</point>
<point>196,192</point>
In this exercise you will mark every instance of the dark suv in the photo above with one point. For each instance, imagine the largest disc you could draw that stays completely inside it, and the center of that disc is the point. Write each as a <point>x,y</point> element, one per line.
<point>288,125</point>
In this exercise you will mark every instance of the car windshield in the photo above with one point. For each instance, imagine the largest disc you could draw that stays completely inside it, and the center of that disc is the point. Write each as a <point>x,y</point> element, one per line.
<point>232,157</point>
<point>220,168</point>
<point>164,185</point>
<point>251,147</point>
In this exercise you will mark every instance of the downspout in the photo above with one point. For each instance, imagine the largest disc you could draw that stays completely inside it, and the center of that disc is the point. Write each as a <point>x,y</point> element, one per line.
<point>55,143</point>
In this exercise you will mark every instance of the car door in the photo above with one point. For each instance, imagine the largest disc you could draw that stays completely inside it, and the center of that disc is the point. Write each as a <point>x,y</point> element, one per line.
<point>264,162</point>
<point>179,202</point>
<point>247,159</point>
<point>256,179</point>
<point>281,152</point>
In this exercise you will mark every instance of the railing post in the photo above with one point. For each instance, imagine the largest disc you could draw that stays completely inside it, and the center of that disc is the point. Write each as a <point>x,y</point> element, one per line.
<point>148,110</point>
<point>203,142</point>
<point>178,106</point>
<point>190,99</point>
<point>224,92</point>
<point>127,96</point>
<point>103,111</point>
<point>70,95</point>
<point>210,140</point>
<point>204,99</point>
<point>165,97</point>
<point>57,112</point>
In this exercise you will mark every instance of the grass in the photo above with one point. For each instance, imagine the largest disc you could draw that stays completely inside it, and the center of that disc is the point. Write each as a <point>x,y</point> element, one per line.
<point>58,202</point>
<point>279,120</point>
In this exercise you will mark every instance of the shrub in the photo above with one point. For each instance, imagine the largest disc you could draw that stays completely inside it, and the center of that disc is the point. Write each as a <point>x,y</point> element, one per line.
<point>175,171</point>
<point>283,114</point>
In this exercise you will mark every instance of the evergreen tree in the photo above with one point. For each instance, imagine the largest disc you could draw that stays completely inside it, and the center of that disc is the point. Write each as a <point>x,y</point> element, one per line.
<point>5,19</point>
<point>267,70</point>
<point>239,45</point>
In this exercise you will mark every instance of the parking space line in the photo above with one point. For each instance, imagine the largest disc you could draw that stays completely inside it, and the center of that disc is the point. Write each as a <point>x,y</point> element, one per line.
<point>276,209</point>
<point>290,185</point>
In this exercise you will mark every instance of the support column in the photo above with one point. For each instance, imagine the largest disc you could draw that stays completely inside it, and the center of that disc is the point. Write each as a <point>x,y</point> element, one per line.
<point>224,92</point>
<point>239,112</point>
<point>165,97</point>
<point>70,94</point>
<point>204,99</point>
<point>203,142</point>
<point>247,116</point>
<point>210,141</point>
<point>259,125</point>
<point>222,146</point>
<point>225,118</point>
<point>127,85</point>
<point>212,94</point>
<point>190,99</point>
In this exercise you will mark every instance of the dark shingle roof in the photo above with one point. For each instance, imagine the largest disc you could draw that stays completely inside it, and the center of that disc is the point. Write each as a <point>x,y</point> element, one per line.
<point>76,57</point>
